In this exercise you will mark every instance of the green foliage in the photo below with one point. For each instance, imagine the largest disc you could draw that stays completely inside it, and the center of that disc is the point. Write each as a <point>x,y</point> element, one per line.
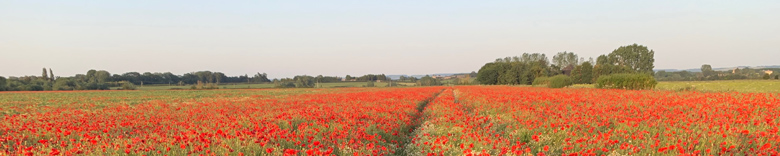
<point>637,58</point>
<point>45,75</point>
<point>541,81</point>
<point>3,84</point>
<point>515,70</point>
<point>304,81</point>
<point>560,81</point>
<point>766,76</point>
<point>201,85</point>
<point>428,81</point>
<point>284,85</point>
<point>94,86</point>
<point>127,86</point>
<point>488,74</point>
<point>708,73</point>
<point>626,81</point>
<point>370,84</point>
<point>564,59</point>
<point>583,73</point>
<point>64,84</point>
<point>777,77</point>
<point>372,77</point>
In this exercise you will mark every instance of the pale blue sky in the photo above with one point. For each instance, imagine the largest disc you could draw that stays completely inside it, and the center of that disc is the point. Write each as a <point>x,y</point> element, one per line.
<point>290,37</point>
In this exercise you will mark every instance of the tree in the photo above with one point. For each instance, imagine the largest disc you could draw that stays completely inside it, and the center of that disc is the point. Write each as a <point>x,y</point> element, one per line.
<point>706,71</point>
<point>91,76</point>
<point>303,81</point>
<point>635,57</point>
<point>3,84</point>
<point>587,73</point>
<point>428,81</point>
<point>218,76</point>
<point>102,76</point>
<point>766,76</point>
<point>564,59</point>
<point>488,74</point>
<point>51,75</point>
<point>260,78</point>
<point>45,75</point>
<point>777,77</point>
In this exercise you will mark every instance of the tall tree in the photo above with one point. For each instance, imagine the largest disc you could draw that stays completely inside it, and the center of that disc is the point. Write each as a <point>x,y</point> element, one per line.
<point>706,71</point>
<point>635,57</point>
<point>45,75</point>
<point>583,73</point>
<point>488,74</point>
<point>587,72</point>
<point>91,76</point>
<point>565,59</point>
<point>3,84</point>
<point>51,75</point>
<point>219,76</point>
<point>102,76</point>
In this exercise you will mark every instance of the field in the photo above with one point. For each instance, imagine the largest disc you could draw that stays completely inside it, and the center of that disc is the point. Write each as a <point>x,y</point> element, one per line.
<point>461,120</point>
<point>723,86</point>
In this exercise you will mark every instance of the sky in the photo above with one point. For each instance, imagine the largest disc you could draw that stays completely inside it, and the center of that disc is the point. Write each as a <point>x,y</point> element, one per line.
<point>356,37</point>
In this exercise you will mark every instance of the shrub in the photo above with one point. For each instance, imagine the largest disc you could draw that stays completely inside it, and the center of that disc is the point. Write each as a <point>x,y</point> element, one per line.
<point>560,81</point>
<point>127,86</point>
<point>539,81</point>
<point>626,81</point>
<point>285,85</point>
<point>370,84</point>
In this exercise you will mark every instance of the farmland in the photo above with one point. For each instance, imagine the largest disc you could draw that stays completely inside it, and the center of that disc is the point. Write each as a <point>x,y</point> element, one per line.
<point>461,120</point>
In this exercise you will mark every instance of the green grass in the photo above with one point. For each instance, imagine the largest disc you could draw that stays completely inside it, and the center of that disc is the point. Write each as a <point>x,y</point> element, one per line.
<point>747,86</point>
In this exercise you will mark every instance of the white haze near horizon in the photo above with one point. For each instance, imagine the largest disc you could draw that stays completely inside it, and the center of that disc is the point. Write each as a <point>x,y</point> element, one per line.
<point>293,37</point>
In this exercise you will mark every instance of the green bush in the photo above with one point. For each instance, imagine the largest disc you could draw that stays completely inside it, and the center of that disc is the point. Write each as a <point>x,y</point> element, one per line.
<point>127,86</point>
<point>560,81</point>
<point>285,85</point>
<point>370,84</point>
<point>626,81</point>
<point>539,81</point>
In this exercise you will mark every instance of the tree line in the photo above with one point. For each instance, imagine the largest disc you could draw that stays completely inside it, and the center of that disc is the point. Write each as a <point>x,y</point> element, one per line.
<point>103,80</point>
<point>706,73</point>
<point>526,68</point>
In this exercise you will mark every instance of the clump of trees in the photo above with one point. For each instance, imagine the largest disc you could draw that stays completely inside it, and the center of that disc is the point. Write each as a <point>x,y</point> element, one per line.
<point>522,70</point>
<point>428,81</point>
<point>527,68</point>
<point>515,70</point>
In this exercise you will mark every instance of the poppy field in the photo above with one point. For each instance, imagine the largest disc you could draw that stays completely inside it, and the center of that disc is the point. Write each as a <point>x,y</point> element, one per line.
<point>460,120</point>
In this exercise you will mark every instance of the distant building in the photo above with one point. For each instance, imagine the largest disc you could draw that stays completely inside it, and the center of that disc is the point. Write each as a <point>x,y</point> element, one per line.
<point>769,72</point>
